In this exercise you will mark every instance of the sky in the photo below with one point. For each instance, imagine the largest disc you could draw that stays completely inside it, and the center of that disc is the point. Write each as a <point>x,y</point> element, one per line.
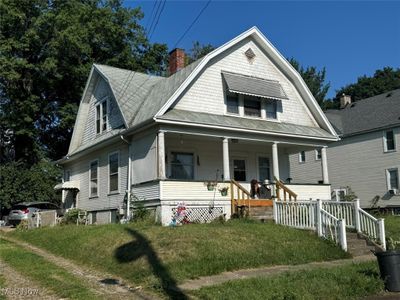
<point>348,38</point>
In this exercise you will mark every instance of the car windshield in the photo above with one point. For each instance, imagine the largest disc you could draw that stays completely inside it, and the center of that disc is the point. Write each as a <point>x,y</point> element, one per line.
<point>19,207</point>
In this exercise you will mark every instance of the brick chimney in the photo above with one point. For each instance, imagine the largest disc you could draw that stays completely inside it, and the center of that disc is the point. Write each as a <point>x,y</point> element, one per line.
<point>176,60</point>
<point>344,101</point>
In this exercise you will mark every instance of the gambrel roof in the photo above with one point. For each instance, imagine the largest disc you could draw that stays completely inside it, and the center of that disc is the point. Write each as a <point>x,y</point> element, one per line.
<point>143,98</point>
<point>370,114</point>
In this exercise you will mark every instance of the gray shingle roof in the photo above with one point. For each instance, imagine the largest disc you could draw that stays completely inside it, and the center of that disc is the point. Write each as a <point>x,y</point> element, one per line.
<point>254,86</point>
<point>141,96</point>
<point>235,122</point>
<point>369,114</point>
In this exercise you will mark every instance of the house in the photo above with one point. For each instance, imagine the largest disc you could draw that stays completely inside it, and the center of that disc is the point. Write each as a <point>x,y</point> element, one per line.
<point>367,158</point>
<point>236,114</point>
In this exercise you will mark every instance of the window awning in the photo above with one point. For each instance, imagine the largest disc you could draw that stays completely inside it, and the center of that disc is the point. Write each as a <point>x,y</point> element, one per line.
<point>68,185</point>
<point>254,86</point>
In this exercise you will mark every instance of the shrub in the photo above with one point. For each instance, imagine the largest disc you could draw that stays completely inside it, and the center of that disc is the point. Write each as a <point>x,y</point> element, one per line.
<point>71,216</point>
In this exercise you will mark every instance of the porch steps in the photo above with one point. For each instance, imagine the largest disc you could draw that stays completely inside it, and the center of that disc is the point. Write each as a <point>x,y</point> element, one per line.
<point>358,245</point>
<point>261,213</point>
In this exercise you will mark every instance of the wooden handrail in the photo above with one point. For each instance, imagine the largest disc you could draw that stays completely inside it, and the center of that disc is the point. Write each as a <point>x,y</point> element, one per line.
<point>286,191</point>
<point>240,187</point>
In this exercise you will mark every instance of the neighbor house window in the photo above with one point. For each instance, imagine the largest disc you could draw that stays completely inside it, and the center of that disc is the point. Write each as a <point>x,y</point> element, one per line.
<point>113,169</point>
<point>182,165</point>
<point>93,185</point>
<point>270,109</point>
<point>302,156</point>
<point>252,107</point>
<point>263,168</point>
<point>239,169</point>
<point>232,104</point>
<point>67,175</point>
<point>393,179</point>
<point>389,141</point>
<point>101,116</point>
<point>318,154</point>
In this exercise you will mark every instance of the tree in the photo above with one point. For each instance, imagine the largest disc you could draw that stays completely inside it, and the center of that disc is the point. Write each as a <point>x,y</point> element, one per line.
<point>314,79</point>
<point>46,50</point>
<point>382,81</point>
<point>198,51</point>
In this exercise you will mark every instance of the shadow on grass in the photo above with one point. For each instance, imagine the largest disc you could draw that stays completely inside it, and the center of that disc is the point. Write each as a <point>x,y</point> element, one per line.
<point>139,247</point>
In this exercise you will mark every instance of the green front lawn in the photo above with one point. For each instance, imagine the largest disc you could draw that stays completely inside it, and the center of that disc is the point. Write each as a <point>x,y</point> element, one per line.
<point>45,273</point>
<point>347,282</point>
<point>392,226</point>
<point>156,257</point>
<point>2,287</point>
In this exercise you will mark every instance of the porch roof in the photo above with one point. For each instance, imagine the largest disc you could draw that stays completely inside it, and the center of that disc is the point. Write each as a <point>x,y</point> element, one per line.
<point>245,123</point>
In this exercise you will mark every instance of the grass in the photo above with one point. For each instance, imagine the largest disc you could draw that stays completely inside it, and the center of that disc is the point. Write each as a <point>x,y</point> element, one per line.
<point>2,286</point>
<point>347,282</point>
<point>392,226</point>
<point>45,273</point>
<point>155,256</point>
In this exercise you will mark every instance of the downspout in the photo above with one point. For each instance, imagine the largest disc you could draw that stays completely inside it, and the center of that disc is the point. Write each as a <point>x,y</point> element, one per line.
<point>128,191</point>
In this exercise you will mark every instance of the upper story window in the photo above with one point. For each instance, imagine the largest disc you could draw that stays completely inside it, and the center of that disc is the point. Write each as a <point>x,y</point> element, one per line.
<point>252,107</point>
<point>101,116</point>
<point>113,170</point>
<point>94,171</point>
<point>389,142</point>
<point>67,175</point>
<point>232,103</point>
<point>270,109</point>
<point>302,156</point>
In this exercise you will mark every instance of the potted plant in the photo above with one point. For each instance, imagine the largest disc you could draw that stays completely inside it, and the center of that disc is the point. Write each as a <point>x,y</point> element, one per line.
<point>389,265</point>
<point>210,185</point>
<point>224,191</point>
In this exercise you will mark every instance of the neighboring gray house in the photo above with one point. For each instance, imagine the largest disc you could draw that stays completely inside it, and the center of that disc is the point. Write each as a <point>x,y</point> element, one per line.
<point>237,113</point>
<point>367,158</point>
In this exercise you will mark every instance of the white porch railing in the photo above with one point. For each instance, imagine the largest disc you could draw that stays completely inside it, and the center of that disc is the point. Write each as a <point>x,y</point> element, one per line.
<point>330,219</point>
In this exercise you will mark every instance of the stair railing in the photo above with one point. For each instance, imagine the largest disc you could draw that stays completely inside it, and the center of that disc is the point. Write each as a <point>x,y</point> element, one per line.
<point>288,194</point>
<point>242,196</point>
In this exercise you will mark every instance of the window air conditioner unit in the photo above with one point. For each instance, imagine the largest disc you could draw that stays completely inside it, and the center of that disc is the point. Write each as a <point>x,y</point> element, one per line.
<point>393,192</point>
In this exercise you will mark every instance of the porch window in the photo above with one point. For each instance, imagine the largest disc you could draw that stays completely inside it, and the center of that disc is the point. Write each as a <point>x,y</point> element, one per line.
<point>239,169</point>
<point>252,107</point>
<point>113,170</point>
<point>93,190</point>
<point>101,116</point>
<point>182,165</point>
<point>263,168</point>
<point>389,141</point>
<point>232,104</point>
<point>393,179</point>
<point>302,156</point>
<point>270,109</point>
<point>318,154</point>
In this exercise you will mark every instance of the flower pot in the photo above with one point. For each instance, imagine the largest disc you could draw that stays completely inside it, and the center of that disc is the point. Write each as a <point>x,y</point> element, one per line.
<point>389,266</point>
<point>210,187</point>
<point>224,193</point>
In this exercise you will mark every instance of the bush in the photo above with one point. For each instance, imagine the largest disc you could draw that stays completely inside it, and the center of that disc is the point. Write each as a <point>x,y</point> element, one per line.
<point>140,213</point>
<point>71,216</point>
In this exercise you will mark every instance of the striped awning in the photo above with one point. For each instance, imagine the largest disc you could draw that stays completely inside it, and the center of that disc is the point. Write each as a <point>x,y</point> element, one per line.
<point>254,86</point>
<point>68,185</point>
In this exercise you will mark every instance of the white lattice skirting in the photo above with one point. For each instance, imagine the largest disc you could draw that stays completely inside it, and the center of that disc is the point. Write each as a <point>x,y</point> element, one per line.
<point>199,214</point>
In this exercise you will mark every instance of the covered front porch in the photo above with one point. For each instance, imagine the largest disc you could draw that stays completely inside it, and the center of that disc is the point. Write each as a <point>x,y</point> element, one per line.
<point>191,161</point>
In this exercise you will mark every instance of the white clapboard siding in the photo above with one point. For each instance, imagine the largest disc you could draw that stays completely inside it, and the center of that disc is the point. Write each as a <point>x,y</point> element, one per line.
<point>359,162</point>
<point>80,172</point>
<point>147,191</point>
<point>311,191</point>
<point>144,159</point>
<point>207,92</point>
<point>181,190</point>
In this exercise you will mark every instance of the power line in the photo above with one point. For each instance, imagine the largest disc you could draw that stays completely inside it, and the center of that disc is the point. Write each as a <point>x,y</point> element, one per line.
<point>151,16</point>
<point>191,25</point>
<point>158,18</point>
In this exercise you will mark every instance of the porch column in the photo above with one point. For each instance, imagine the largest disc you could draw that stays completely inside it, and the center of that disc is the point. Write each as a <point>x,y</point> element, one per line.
<point>161,155</point>
<point>324,163</point>
<point>225,158</point>
<point>275,160</point>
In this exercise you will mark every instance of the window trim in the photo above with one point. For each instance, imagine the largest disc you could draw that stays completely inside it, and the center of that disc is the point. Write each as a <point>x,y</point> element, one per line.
<point>258,165</point>
<point>185,151</point>
<point>316,154</point>
<point>301,161</point>
<point>389,186</point>
<point>385,149</point>
<point>337,191</point>
<point>117,191</point>
<point>90,178</point>
<point>99,105</point>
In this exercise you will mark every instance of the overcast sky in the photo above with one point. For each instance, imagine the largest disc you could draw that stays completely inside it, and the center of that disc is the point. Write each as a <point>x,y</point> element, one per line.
<point>349,38</point>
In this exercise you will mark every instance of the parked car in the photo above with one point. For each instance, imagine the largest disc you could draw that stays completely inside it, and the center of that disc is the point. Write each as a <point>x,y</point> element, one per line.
<point>27,210</point>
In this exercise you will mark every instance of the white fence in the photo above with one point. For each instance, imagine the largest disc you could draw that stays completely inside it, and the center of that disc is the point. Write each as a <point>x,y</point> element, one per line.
<point>330,219</point>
